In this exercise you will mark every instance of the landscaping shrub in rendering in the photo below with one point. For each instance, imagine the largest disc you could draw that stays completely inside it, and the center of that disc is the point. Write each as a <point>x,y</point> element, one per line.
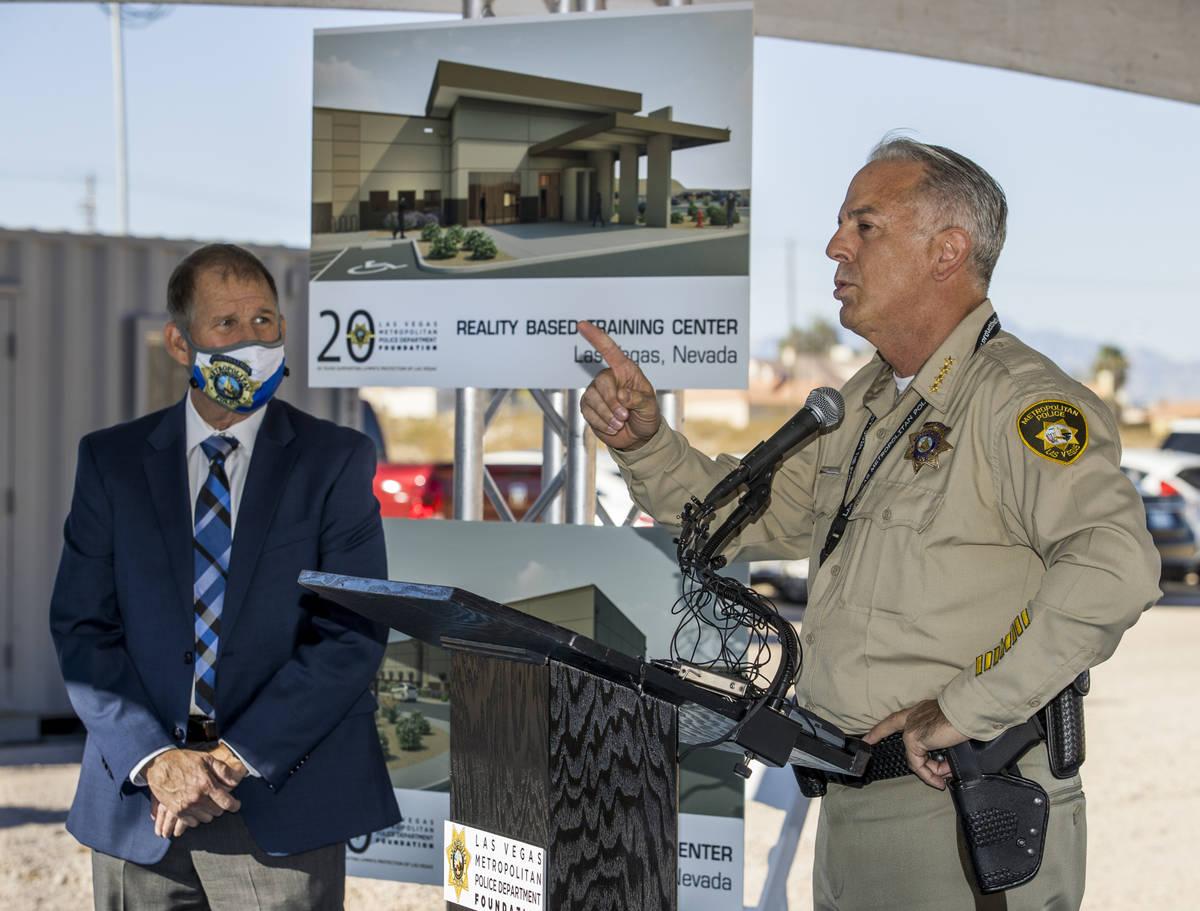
<point>443,247</point>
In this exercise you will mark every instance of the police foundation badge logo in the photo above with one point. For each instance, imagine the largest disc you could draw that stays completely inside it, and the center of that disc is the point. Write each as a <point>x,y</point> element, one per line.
<point>927,444</point>
<point>1055,430</point>
<point>230,379</point>
<point>460,861</point>
<point>361,339</point>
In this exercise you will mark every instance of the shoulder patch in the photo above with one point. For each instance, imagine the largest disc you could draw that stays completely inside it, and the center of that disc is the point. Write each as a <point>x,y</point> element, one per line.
<point>1055,430</point>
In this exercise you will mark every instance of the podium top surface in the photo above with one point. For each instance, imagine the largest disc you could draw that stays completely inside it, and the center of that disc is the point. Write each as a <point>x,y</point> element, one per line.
<point>455,619</point>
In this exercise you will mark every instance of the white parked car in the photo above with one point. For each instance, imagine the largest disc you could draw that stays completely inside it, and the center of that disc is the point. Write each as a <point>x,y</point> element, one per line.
<point>1165,473</point>
<point>1169,482</point>
<point>404,692</point>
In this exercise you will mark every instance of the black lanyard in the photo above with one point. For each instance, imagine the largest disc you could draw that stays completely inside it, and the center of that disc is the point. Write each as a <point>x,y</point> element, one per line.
<point>838,527</point>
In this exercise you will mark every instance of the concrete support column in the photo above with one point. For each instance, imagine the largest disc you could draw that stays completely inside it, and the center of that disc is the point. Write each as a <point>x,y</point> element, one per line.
<point>629,184</point>
<point>570,190</point>
<point>603,162</point>
<point>658,182</point>
<point>658,174</point>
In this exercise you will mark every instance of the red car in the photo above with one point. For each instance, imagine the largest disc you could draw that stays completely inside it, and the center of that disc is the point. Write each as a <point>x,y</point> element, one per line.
<point>426,490</point>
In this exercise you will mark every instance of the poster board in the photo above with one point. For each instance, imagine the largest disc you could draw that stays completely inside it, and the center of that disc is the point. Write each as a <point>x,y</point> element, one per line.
<point>604,160</point>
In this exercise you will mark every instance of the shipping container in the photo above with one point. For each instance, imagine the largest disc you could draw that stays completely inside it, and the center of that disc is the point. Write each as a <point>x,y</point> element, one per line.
<point>81,347</point>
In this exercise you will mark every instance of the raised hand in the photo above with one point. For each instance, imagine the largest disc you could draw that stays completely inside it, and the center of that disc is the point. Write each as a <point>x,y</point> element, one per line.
<point>619,404</point>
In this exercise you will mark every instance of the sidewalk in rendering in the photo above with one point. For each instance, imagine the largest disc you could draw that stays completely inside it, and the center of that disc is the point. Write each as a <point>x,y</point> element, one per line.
<point>543,242</point>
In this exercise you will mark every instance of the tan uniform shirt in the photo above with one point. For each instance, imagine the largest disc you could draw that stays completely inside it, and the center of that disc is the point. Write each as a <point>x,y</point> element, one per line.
<point>987,573</point>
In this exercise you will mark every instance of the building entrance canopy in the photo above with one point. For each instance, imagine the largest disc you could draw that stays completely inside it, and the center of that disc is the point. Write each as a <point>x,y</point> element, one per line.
<point>611,131</point>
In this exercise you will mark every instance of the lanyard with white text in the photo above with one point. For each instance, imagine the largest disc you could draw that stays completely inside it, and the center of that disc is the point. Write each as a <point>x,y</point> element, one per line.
<point>838,526</point>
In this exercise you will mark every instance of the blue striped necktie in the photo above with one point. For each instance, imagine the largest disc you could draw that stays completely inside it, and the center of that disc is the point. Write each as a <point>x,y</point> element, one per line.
<point>210,549</point>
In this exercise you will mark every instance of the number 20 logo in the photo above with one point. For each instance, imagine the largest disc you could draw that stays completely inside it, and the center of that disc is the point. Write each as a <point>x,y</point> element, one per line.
<point>359,337</point>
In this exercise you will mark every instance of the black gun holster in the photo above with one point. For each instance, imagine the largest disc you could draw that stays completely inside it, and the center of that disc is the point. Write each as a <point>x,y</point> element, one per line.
<point>1003,815</point>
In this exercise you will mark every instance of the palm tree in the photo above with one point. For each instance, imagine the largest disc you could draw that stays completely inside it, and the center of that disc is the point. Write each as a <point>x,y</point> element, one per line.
<point>1110,369</point>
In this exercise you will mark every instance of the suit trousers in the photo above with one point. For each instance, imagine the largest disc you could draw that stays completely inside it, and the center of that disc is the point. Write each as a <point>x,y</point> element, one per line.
<point>897,844</point>
<point>218,866</point>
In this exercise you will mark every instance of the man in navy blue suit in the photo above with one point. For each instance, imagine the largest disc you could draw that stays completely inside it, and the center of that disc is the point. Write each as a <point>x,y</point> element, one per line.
<point>231,744</point>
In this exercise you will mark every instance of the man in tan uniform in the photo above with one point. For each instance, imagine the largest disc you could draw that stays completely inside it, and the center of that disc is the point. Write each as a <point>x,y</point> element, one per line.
<point>989,556</point>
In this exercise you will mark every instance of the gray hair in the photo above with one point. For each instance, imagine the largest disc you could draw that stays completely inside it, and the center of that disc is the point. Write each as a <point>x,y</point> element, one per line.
<point>962,195</point>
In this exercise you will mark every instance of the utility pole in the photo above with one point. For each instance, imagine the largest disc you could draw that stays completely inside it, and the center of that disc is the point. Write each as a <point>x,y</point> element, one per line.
<point>118,75</point>
<point>138,18</point>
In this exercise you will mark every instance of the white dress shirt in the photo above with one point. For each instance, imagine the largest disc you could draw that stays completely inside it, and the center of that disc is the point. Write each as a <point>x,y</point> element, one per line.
<point>237,466</point>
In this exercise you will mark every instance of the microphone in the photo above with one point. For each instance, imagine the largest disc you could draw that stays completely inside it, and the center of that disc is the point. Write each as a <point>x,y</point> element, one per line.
<point>822,410</point>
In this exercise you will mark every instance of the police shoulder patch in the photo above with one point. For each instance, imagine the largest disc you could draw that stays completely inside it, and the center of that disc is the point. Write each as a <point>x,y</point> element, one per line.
<point>1054,430</point>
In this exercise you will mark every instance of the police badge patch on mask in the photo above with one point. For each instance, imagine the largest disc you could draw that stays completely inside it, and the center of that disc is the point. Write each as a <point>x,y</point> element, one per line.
<point>1054,430</point>
<point>240,377</point>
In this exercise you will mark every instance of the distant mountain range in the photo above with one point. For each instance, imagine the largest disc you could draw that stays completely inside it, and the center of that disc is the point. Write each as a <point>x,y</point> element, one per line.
<point>1152,377</point>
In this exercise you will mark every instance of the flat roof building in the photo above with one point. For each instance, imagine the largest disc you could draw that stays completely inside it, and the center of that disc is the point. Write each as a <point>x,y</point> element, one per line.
<point>497,147</point>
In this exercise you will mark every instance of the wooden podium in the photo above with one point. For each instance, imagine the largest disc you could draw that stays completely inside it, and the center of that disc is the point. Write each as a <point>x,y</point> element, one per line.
<point>563,743</point>
<point>575,763</point>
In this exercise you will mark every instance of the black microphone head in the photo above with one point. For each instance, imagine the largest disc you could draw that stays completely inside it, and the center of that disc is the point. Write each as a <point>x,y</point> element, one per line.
<point>827,404</point>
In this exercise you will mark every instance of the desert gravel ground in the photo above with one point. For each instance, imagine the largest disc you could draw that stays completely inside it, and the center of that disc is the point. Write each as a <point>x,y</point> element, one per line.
<point>1141,780</point>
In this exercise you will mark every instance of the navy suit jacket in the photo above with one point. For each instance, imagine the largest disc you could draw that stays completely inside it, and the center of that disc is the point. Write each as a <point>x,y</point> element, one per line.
<point>293,670</point>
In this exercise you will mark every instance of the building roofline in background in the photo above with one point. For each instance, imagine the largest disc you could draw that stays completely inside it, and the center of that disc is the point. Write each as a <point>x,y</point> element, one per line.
<point>452,81</point>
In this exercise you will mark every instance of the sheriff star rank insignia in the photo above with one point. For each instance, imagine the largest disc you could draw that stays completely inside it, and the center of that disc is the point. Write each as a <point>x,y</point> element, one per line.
<point>1055,430</point>
<point>927,444</point>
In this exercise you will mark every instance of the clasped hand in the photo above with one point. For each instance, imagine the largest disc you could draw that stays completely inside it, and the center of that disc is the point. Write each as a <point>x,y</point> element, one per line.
<point>190,787</point>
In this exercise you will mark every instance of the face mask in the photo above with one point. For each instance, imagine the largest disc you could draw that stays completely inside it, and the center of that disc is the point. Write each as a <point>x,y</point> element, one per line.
<point>240,377</point>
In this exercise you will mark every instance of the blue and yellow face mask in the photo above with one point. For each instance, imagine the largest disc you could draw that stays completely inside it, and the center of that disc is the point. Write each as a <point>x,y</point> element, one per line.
<point>241,377</point>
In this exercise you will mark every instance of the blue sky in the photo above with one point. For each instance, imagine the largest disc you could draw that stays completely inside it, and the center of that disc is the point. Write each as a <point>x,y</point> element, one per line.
<point>1102,184</point>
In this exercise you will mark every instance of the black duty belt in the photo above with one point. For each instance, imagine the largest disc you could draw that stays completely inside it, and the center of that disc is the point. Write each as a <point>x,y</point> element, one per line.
<point>888,760</point>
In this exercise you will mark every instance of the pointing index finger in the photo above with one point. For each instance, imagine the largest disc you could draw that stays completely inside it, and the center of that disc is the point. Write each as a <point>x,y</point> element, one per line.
<point>603,343</point>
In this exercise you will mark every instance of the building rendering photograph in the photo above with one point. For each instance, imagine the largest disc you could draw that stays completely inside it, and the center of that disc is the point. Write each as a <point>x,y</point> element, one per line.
<point>523,158</point>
